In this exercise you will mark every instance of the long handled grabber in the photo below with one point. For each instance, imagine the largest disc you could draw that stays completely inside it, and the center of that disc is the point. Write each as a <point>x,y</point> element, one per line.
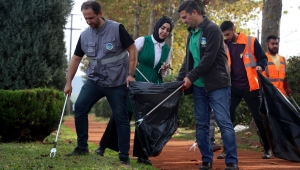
<point>138,122</point>
<point>193,146</point>
<point>142,75</point>
<point>53,150</point>
<point>295,102</point>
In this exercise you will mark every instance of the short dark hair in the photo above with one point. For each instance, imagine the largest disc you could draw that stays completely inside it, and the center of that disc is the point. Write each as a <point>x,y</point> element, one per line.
<point>188,6</point>
<point>94,5</point>
<point>227,25</point>
<point>272,37</point>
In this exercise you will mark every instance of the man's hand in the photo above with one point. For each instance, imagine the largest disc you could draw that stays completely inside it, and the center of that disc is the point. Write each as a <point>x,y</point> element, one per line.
<point>129,78</point>
<point>187,83</point>
<point>289,92</point>
<point>68,89</point>
<point>259,69</point>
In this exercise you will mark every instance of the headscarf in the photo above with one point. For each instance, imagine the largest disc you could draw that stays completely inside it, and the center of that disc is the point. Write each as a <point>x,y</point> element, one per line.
<point>158,24</point>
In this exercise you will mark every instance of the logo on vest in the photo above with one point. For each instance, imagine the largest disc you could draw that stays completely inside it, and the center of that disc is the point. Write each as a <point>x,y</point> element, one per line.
<point>109,46</point>
<point>203,42</point>
<point>247,55</point>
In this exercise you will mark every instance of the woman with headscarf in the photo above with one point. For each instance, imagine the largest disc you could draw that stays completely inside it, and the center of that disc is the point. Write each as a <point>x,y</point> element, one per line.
<point>153,61</point>
<point>154,53</point>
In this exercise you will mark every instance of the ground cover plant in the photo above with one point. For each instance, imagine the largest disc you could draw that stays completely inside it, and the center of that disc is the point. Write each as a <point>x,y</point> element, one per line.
<point>35,155</point>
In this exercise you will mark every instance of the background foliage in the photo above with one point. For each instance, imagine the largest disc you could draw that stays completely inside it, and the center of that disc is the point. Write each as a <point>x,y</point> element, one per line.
<point>32,50</point>
<point>293,77</point>
<point>29,115</point>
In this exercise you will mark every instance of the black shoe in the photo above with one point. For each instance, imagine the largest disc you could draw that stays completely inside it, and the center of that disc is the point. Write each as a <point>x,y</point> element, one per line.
<point>231,166</point>
<point>78,151</point>
<point>216,147</point>
<point>267,154</point>
<point>125,161</point>
<point>206,166</point>
<point>145,161</point>
<point>222,155</point>
<point>100,150</point>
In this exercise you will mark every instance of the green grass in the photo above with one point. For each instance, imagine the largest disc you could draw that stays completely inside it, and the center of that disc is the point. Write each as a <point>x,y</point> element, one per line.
<point>36,155</point>
<point>248,142</point>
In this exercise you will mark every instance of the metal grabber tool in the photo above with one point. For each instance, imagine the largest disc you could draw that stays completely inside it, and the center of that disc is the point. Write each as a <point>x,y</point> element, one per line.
<point>53,150</point>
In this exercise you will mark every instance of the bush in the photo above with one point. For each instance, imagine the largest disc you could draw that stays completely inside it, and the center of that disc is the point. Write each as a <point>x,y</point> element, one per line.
<point>293,77</point>
<point>243,115</point>
<point>102,108</point>
<point>186,112</point>
<point>29,115</point>
<point>186,107</point>
<point>32,50</point>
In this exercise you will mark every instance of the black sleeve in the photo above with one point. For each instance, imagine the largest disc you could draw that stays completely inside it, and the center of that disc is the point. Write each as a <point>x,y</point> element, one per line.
<point>262,59</point>
<point>125,38</point>
<point>78,51</point>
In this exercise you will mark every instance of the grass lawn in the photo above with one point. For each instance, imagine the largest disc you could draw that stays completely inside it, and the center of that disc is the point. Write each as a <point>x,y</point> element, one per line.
<point>246,139</point>
<point>36,155</point>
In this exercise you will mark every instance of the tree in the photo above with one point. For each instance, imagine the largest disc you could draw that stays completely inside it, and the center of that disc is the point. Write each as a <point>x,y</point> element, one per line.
<point>32,50</point>
<point>271,15</point>
<point>293,76</point>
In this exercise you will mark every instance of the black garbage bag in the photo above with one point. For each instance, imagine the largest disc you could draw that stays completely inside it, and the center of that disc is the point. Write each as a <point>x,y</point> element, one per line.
<point>158,124</point>
<point>282,122</point>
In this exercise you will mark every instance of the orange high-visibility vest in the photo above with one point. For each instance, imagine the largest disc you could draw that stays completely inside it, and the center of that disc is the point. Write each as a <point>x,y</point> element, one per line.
<point>276,76</point>
<point>249,60</point>
<point>228,56</point>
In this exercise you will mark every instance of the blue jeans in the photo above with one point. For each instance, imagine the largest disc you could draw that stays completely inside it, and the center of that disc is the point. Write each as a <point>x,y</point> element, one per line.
<point>219,100</point>
<point>117,97</point>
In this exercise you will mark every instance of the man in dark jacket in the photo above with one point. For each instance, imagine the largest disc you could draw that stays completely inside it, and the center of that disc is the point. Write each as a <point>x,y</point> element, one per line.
<point>205,73</point>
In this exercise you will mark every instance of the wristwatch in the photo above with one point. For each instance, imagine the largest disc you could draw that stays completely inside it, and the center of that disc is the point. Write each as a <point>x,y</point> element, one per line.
<point>131,74</point>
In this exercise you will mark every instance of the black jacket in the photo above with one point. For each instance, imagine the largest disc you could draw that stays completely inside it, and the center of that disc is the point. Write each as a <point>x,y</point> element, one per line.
<point>213,65</point>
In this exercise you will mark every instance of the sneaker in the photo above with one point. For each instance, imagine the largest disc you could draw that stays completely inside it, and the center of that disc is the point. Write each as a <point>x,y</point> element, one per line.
<point>222,155</point>
<point>145,161</point>
<point>231,166</point>
<point>216,147</point>
<point>206,166</point>
<point>267,154</point>
<point>125,161</point>
<point>100,150</point>
<point>78,151</point>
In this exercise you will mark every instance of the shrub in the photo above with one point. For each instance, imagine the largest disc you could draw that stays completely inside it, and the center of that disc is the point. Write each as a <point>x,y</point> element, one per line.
<point>102,108</point>
<point>293,77</point>
<point>29,115</point>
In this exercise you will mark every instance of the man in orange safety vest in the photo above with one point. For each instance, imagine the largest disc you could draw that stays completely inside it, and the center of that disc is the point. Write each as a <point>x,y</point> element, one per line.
<point>276,68</point>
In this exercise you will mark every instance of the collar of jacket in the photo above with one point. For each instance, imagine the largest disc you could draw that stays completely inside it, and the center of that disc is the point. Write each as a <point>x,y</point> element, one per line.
<point>202,25</point>
<point>242,38</point>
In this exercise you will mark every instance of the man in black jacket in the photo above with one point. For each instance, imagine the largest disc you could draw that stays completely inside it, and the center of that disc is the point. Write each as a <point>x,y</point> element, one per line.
<point>205,73</point>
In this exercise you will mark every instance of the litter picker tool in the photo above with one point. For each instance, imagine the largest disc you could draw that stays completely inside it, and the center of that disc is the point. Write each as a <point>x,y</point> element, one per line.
<point>193,146</point>
<point>138,122</point>
<point>142,75</point>
<point>295,102</point>
<point>53,150</point>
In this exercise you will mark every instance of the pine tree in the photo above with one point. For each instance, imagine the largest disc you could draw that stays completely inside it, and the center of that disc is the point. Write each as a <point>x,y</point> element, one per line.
<point>32,48</point>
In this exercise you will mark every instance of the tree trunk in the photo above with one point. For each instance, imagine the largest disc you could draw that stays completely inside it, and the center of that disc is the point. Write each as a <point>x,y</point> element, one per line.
<point>173,14</point>
<point>136,29</point>
<point>152,16</point>
<point>271,15</point>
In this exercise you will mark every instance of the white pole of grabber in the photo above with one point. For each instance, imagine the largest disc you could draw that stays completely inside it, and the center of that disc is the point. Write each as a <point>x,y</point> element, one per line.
<point>142,75</point>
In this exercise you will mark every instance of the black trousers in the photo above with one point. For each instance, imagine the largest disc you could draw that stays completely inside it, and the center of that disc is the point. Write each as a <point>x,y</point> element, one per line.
<point>110,139</point>
<point>254,101</point>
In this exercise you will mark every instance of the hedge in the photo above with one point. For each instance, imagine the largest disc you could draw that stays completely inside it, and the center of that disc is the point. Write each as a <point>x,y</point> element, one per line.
<point>29,115</point>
